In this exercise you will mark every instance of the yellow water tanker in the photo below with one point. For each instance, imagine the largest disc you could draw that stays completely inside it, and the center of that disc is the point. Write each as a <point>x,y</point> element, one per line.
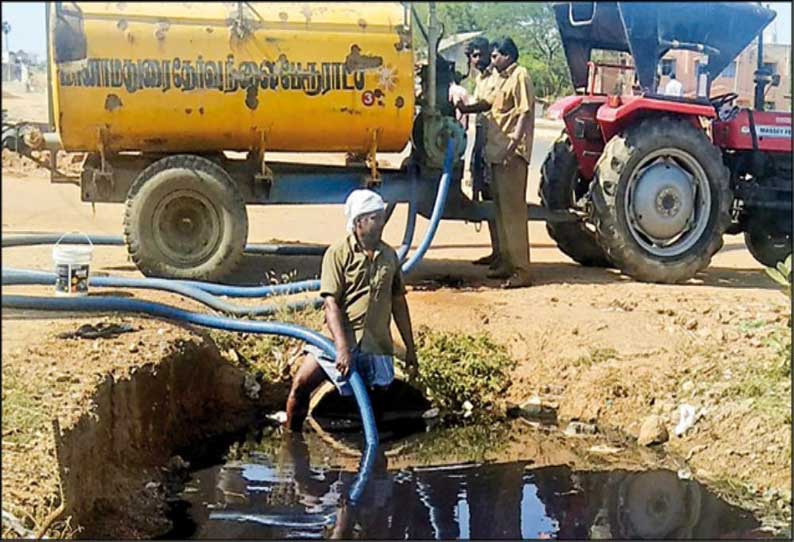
<point>202,77</point>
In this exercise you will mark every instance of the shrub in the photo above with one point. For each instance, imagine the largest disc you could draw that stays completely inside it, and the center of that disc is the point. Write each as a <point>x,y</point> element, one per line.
<point>455,369</point>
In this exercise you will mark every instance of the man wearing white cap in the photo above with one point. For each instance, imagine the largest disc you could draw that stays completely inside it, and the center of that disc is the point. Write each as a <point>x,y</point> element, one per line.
<point>362,286</point>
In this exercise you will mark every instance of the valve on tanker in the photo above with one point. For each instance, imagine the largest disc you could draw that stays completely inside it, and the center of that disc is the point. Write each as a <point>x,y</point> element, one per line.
<point>436,122</point>
<point>438,131</point>
<point>430,136</point>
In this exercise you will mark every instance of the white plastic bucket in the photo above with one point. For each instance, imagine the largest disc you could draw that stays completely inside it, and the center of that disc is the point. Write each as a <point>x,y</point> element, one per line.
<point>72,264</point>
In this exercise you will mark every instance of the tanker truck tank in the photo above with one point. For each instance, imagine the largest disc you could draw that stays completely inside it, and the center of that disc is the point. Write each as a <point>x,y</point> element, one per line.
<point>202,77</point>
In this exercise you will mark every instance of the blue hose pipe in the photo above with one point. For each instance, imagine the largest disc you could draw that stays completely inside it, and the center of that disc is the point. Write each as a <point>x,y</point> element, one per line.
<point>410,226</point>
<point>20,277</point>
<point>118,240</point>
<point>204,292</point>
<point>438,210</point>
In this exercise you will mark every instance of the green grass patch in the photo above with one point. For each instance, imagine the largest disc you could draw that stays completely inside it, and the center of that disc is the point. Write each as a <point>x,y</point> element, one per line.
<point>457,368</point>
<point>270,355</point>
<point>23,412</point>
<point>751,325</point>
<point>767,380</point>
<point>595,356</point>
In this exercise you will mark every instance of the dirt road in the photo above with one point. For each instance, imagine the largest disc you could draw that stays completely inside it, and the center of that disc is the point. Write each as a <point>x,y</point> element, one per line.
<point>607,349</point>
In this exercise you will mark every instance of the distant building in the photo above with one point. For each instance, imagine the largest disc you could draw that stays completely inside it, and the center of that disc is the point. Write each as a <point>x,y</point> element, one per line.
<point>12,69</point>
<point>736,77</point>
<point>17,66</point>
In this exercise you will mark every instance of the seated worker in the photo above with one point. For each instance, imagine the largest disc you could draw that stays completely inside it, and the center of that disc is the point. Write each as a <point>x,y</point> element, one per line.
<point>362,286</point>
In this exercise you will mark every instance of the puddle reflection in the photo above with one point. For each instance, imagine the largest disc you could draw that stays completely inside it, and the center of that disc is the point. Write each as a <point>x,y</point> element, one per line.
<point>281,494</point>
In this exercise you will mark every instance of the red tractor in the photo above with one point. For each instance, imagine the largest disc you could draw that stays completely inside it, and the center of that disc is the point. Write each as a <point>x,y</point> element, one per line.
<point>659,179</point>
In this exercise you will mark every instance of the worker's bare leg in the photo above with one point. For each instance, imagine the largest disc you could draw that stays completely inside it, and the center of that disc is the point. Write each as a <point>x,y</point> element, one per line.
<point>309,376</point>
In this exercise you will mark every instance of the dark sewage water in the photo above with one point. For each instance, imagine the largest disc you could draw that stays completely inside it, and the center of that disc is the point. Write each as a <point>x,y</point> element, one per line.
<point>275,487</point>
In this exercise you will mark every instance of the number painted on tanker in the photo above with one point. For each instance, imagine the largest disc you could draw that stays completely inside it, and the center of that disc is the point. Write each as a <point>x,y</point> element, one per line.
<point>317,78</point>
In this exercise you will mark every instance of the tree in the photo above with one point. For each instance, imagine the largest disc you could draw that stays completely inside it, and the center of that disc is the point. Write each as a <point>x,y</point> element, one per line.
<point>6,32</point>
<point>531,25</point>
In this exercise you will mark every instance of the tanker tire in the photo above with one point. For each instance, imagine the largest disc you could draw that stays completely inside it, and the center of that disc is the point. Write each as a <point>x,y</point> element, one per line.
<point>621,155</point>
<point>559,176</point>
<point>767,245</point>
<point>207,196</point>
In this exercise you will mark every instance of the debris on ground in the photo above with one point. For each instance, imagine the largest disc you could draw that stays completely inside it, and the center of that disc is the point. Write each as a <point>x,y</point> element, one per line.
<point>177,463</point>
<point>252,387</point>
<point>431,413</point>
<point>580,428</point>
<point>688,416</point>
<point>102,330</point>
<point>652,432</point>
<point>15,524</point>
<point>535,407</point>
<point>279,417</point>
<point>604,449</point>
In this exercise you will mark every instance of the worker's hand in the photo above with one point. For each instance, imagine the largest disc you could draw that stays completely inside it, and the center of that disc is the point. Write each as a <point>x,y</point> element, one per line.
<point>511,149</point>
<point>411,364</point>
<point>344,361</point>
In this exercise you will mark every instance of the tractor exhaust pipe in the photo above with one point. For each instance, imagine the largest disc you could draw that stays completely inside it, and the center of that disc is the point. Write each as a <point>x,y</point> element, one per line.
<point>761,78</point>
<point>433,35</point>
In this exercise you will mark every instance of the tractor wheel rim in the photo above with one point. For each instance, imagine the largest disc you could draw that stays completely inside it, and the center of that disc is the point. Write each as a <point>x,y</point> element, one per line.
<point>668,202</point>
<point>187,228</point>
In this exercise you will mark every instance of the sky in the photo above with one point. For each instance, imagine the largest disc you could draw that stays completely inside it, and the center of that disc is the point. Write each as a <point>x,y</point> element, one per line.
<point>28,29</point>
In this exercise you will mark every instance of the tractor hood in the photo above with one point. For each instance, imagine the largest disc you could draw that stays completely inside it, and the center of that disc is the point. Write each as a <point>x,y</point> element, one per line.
<point>646,29</point>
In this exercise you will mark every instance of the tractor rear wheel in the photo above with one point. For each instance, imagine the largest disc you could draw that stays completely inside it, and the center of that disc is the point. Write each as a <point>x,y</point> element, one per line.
<point>661,200</point>
<point>560,188</point>
<point>185,219</point>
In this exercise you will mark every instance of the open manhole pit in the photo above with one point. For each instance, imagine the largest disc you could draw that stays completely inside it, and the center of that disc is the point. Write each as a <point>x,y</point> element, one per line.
<point>336,417</point>
<point>115,459</point>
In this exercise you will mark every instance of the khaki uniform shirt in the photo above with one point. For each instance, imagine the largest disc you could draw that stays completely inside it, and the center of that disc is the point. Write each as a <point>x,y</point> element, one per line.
<point>485,86</point>
<point>363,288</point>
<point>514,96</point>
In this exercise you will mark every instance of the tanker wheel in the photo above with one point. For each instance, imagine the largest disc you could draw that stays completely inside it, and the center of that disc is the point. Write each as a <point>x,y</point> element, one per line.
<point>560,188</point>
<point>661,200</point>
<point>185,219</point>
<point>768,244</point>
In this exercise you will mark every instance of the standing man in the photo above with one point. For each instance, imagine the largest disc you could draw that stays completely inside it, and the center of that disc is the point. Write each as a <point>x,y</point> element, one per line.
<point>486,81</point>
<point>362,285</point>
<point>508,150</point>
<point>674,87</point>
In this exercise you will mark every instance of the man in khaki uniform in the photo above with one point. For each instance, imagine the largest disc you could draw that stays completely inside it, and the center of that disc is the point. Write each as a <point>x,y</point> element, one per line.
<point>508,149</point>
<point>362,286</point>
<point>486,81</point>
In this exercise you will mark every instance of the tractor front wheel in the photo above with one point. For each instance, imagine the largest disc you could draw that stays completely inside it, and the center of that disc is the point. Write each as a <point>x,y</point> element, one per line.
<point>560,188</point>
<point>766,241</point>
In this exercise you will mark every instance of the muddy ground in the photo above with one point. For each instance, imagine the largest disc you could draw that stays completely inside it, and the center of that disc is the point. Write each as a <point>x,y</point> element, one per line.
<point>604,349</point>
